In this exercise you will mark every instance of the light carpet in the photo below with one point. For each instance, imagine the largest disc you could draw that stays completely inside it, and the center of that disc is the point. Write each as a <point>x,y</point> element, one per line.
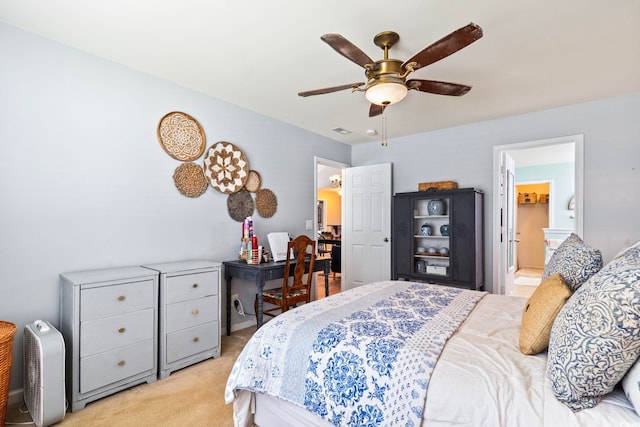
<point>193,396</point>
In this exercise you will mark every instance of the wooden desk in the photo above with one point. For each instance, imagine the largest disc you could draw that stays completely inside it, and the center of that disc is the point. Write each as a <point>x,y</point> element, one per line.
<point>261,273</point>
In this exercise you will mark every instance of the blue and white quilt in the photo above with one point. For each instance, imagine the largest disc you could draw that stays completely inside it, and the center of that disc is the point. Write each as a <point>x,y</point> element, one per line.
<point>359,358</point>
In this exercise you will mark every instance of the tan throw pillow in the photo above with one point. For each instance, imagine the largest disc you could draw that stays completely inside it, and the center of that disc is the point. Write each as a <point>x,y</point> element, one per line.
<point>540,312</point>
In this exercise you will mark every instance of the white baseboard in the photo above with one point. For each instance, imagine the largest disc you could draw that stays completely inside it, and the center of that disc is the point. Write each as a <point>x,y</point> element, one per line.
<point>15,396</point>
<point>243,325</point>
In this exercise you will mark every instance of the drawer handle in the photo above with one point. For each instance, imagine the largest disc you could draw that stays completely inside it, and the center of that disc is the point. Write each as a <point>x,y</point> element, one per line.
<point>121,330</point>
<point>121,298</point>
<point>195,311</point>
<point>196,339</point>
<point>121,363</point>
<point>195,285</point>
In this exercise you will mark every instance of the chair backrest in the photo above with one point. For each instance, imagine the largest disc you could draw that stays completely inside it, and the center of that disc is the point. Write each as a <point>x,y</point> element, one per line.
<point>303,249</point>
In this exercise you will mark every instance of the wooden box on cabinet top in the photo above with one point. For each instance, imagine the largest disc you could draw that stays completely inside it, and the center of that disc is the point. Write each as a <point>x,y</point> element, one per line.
<point>189,313</point>
<point>109,322</point>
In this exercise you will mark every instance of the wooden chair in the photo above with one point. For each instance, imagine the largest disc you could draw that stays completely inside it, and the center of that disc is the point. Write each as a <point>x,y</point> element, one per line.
<point>299,290</point>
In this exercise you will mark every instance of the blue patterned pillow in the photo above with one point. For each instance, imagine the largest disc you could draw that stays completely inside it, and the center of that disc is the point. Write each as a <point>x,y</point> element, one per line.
<point>594,340</point>
<point>631,386</point>
<point>575,262</point>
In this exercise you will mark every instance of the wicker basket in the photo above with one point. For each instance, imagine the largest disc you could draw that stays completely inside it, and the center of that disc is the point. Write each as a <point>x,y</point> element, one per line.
<point>7,331</point>
<point>439,185</point>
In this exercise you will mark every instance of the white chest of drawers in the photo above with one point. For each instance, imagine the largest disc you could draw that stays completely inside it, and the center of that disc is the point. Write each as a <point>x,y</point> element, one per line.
<point>109,322</point>
<point>189,326</point>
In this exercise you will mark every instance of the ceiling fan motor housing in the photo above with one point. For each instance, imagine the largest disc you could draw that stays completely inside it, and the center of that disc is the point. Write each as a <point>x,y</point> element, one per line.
<point>386,84</point>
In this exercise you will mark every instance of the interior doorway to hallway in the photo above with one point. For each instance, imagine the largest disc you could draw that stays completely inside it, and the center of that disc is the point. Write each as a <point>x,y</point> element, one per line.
<point>541,154</point>
<point>328,219</point>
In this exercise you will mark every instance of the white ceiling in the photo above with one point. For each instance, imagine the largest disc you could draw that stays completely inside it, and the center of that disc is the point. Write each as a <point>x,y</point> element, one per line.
<point>259,54</point>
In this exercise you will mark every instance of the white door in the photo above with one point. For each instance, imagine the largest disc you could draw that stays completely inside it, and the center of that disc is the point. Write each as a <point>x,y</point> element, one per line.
<point>508,240</point>
<point>366,235</point>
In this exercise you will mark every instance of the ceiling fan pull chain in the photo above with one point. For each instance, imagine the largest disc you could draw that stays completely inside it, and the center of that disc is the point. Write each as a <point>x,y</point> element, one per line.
<point>384,129</point>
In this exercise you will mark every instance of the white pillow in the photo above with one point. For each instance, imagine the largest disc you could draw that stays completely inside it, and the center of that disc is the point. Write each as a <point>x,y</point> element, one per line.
<point>631,386</point>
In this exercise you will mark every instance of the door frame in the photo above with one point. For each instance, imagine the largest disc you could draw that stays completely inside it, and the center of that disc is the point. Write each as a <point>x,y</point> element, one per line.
<point>578,140</point>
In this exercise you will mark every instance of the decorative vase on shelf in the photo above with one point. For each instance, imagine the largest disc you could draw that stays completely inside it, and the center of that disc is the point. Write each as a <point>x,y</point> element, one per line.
<point>436,207</point>
<point>426,230</point>
<point>444,229</point>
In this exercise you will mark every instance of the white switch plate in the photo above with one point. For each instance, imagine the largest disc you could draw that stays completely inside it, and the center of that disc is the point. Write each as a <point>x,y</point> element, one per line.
<point>309,224</point>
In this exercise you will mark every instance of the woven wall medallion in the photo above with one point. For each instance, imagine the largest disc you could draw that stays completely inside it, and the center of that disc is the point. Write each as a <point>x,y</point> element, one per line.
<point>181,136</point>
<point>240,205</point>
<point>253,181</point>
<point>266,203</point>
<point>226,167</point>
<point>190,180</point>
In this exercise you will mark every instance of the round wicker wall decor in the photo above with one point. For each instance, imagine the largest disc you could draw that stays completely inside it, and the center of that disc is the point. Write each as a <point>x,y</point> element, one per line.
<point>240,205</point>
<point>253,181</point>
<point>226,167</point>
<point>190,180</point>
<point>266,203</point>
<point>181,136</point>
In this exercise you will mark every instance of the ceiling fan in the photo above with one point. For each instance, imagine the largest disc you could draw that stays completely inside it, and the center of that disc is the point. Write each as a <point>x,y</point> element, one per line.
<point>387,78</point>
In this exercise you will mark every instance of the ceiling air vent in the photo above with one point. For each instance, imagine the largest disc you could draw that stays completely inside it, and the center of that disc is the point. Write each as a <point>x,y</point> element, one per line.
<point>342,131</point>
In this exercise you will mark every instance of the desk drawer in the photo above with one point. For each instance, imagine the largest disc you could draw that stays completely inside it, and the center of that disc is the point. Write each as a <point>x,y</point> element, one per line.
<point>186,314</point>
<point>110,367</point>
<point>108,333</point>
<point>191,286</point>
<point>192,341</point>
<point>104,301</point>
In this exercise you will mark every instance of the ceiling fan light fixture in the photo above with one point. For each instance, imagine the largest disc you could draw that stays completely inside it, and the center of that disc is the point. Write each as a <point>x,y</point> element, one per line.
<point>387,91</point>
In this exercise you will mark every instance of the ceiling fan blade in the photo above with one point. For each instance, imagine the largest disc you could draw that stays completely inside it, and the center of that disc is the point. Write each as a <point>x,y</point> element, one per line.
<point>375,110</point>
<point>330,89</point>
<point>439,88</point>
<point>347,49</point>
<point>447,45</point>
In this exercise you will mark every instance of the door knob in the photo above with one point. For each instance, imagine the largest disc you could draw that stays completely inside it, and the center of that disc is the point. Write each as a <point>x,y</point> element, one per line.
<point>386,239</point>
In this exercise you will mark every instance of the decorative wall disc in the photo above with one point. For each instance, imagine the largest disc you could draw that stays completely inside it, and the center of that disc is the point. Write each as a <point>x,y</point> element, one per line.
<point>266,203</point>
<point>240,205</point>
<point>226,167</point>
<point>190,180</point>
<point>253,181</point>
<point>181,136</point>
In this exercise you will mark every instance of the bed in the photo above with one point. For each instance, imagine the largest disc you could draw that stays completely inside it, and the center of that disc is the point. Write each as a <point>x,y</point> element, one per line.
<point>414,354</point>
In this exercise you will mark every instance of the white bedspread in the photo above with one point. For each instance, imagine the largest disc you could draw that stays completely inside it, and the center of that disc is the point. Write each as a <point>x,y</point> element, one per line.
<point>482,379</point>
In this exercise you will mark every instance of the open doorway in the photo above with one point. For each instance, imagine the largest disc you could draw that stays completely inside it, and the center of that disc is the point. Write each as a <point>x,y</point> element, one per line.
<point>532,218</point>
<point>558,161</point>
<point>328,218</point>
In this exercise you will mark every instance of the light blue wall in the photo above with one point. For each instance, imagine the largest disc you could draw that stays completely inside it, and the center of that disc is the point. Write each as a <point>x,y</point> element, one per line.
<point>562,184</point>
<point>85,184</point>
<point>464,154</point>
